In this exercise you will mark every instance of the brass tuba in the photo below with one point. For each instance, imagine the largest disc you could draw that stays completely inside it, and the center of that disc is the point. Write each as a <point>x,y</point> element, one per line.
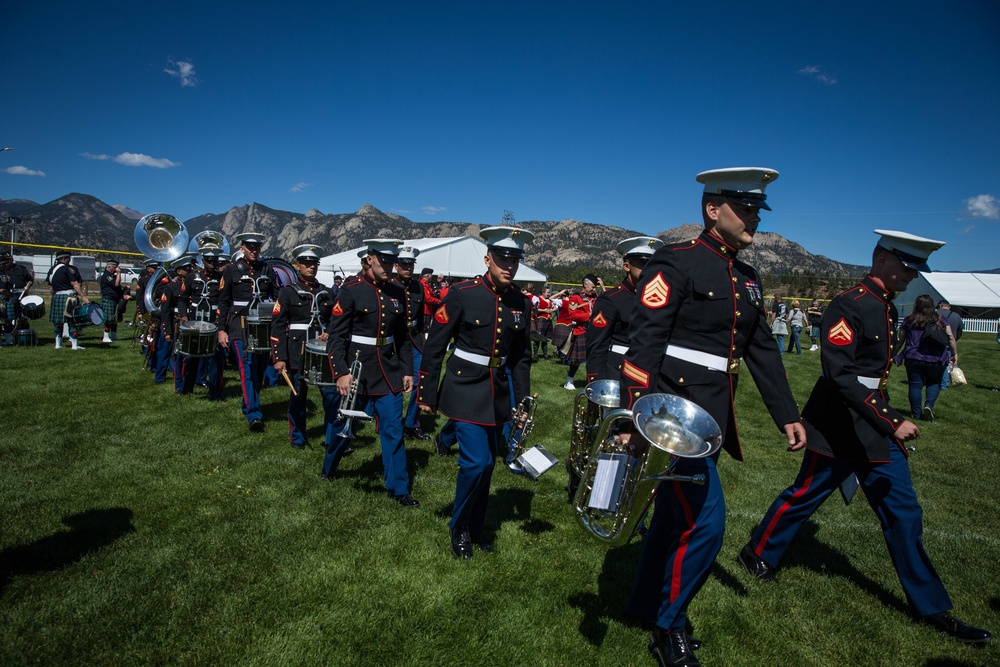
<point>592,405</point>
<point>620,481</point>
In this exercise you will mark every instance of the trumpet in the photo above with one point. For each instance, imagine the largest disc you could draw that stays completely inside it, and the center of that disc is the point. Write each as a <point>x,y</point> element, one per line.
<point>620,481</point>
<point>347,410</point>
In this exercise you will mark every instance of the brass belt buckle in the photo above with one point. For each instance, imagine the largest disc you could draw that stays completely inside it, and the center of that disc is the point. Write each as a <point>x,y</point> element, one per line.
<point>733,366</point>
<point>883,383</point>
<point>381,341</point>
<point>495,362</point>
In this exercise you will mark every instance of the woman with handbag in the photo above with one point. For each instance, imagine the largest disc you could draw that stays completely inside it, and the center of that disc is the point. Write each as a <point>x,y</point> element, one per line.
<point>928,346</point>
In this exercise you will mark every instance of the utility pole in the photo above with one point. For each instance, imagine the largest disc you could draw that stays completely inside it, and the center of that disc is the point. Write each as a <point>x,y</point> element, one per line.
<point>13,222</point>
<point>508,219</point>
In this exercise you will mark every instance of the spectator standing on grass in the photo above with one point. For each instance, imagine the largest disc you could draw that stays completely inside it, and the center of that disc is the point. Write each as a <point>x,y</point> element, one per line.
<point>854,433</point>
<point>67,288</point>
<point>699,310</point>
<point>928,345</point>
<point>953,320</point>
<point>542,307</point>
<point>779,322</point>
<point>796,321</point>
<point>815,313</point>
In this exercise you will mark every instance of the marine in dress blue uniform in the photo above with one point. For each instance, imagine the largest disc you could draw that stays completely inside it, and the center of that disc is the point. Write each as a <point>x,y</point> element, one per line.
<point>699,311</point>
<point>405,263</point>
<point>205,307</point>
<point>246,283</point>
<point>852,430</point>
<point>607,337</point>
<point>174,305</point>
<point>299,316</point>
<point>488,318</point>
<point>368,322</point>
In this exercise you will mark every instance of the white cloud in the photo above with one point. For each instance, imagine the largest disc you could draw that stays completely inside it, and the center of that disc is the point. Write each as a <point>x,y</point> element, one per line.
<point>433,210</point>
<point>983,206</point>
<point>965,231</point>
<point>814,72</point>
<point>299,187</point>
<point>184,72</point>
<point>134,160</point>
<point>23,171</point>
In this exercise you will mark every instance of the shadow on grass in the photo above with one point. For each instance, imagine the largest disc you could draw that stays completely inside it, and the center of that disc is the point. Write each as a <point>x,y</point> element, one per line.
<point>88,531</point>
<point>947,662</point>
<point>613,586</point>
<point>810,553</point>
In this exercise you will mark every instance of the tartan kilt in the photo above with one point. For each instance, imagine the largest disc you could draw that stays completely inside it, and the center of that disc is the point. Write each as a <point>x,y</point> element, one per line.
<point>542,326</point>
<point>110,308</point>
<point>560,334</point>
<point>57,309</point>
<point>11,307</point>
<point>578,350</point>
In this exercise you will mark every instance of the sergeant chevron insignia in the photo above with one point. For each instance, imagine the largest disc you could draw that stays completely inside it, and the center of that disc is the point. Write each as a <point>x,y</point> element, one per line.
<point>656,293</point>
<point>277,308</point>
<point>840,333</point>
<point>599,321</point>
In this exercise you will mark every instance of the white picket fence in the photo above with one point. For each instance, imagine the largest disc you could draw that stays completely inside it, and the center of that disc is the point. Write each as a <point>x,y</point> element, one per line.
<point>980,326</point>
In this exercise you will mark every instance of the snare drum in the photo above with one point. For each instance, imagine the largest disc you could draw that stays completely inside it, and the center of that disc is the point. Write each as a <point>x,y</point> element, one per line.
<point>316,365</point>
<point>196,339</point>
<point>257,333</point>
<point>26,337</point>
<point>33,307</point>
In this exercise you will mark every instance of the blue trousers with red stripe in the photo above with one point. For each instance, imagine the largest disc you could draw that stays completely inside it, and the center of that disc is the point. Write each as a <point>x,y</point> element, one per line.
<point>251,367</point>
<point>477,453</point>
<point>685,536</point>
<point>185,373</point>
<point>297,409</point>
<point>388,411</point>
<point>889,491</point>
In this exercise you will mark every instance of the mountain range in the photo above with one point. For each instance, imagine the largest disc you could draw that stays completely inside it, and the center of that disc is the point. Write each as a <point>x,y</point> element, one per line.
<point>83,221</point>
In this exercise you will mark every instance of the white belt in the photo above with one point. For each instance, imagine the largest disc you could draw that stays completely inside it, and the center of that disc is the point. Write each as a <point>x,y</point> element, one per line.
<point>618,349</point>
<point>370,340</point>
<point>298,327</point>
<point>413,323</point>
<point>481,359</point>
<point>712,362</point>
<point>66,291</point>
<point>240,304</point>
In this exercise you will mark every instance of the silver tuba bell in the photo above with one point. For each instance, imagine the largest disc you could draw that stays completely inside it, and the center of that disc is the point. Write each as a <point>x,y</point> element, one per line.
<point>620,481</point>
<point>161,236</point>
<point>209,240</point>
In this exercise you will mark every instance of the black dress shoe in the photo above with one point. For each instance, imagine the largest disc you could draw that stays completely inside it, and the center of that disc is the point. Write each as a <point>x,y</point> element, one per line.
<point>439,447</point>
<point>257,425</point>
<point>461,544</point>
<point>415,434</point>
<point>960,630</point>
<point>672,649</point>
<point>485,547</point>
<point>755,565</point>
<point>347,450</point>
<point>406,500</point>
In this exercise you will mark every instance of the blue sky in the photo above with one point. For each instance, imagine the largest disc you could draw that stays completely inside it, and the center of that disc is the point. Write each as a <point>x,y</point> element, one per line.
<point>875,114</point>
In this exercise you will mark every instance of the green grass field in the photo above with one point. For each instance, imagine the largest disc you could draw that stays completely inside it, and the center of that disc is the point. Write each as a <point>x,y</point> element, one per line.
<point>141,527</point>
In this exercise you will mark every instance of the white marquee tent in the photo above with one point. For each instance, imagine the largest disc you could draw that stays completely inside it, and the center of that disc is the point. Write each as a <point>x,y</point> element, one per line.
<point>975,295</point>
<point>460,256</point>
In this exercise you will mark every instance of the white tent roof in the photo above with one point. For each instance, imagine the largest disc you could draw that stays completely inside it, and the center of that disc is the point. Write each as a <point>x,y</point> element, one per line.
<point>967,290</point>
<point>460,256</point>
